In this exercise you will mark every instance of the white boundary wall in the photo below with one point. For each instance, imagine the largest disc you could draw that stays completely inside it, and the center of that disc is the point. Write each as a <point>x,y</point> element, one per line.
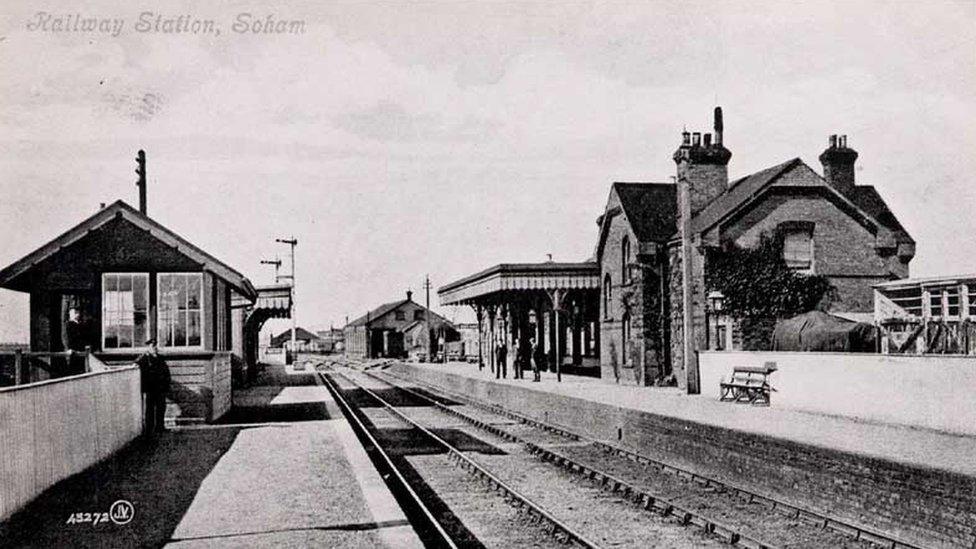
<point>937,392</point>
<point>53,429</point>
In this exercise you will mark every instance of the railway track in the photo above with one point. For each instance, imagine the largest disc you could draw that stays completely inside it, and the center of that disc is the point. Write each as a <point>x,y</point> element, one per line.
<point>564,502</point>
<point>734,514</point>
<point>442,529</point>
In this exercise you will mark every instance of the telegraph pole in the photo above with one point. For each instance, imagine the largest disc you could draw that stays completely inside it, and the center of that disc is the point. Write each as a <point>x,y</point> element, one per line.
<point>277,265</point>
<point>292,242</point>
<point>141,183</point>
<point>430,347</point>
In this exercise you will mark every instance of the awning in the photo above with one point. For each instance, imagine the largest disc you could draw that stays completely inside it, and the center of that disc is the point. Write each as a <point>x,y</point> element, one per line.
<point>272,301</point>
<point>520,276</point>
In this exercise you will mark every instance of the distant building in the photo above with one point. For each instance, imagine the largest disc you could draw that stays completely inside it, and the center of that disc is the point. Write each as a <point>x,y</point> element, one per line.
<point>332,339</point>
<point>304,341</point>
<point>927,315</point>
<point>381,332</point>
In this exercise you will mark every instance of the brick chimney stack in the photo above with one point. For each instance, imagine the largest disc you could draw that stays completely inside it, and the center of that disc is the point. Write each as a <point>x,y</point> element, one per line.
<point>838,163</point>
<point>703,164</point>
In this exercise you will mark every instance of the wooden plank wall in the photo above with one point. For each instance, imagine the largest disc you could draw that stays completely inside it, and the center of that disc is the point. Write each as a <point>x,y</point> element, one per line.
<point>54,429</point>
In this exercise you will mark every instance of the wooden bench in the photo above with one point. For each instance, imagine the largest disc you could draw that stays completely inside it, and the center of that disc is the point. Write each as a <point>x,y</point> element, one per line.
<point>748,384</point>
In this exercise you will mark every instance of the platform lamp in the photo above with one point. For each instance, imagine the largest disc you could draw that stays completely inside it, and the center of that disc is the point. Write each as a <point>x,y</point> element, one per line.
<point>716,304</point>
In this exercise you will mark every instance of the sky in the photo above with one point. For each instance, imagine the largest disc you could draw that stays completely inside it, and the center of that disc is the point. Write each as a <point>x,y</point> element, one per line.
<point>400,139</point>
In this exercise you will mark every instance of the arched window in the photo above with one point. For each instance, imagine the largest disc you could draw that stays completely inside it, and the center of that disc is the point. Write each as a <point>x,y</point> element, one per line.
<point>607,291</point>
<point>624,260</point>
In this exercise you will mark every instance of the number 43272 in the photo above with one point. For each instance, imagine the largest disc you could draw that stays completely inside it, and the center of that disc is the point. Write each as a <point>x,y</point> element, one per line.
<point>93,518</point>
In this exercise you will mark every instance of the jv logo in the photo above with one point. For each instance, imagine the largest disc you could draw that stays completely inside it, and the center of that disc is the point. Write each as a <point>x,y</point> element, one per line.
<point>121,512</point>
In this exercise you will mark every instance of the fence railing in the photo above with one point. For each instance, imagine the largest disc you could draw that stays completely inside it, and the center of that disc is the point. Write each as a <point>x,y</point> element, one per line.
<point>20,367</point>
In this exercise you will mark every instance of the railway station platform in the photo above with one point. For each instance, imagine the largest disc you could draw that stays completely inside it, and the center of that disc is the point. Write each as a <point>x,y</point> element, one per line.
<point>918,484</point>
<point>283,469</point>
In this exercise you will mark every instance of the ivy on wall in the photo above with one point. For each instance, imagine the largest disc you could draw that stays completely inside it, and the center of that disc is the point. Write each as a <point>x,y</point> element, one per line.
<point>759,288</point>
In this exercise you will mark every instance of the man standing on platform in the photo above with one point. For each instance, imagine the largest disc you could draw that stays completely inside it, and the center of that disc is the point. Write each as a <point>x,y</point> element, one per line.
<point>501,356</point>
<point>155,387</point>
<point>536,357</point>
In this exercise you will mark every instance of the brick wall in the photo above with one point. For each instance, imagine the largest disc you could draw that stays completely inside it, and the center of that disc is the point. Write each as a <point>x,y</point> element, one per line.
<point>928,507</point>
<point>844,250</point>
<point>642,352</point>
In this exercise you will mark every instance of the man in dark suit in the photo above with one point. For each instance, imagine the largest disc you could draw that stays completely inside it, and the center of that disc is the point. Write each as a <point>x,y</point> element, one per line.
<point>155,385</point>
<point>501,355</point>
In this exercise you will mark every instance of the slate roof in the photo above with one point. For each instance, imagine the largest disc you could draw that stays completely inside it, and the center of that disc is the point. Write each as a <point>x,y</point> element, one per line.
<point>376,313</point>
<point>650,208</point>
<point>387,308</point>
<point>301,334</point>
<point>867,198</point>
<point>739,191</point>
<point>13,276</point>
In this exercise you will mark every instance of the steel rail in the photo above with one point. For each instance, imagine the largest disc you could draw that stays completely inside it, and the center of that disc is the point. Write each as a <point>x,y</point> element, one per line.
<point>557,528</point>
<point>648,501</point>
<point>361,428</point>
<point>853,531</point>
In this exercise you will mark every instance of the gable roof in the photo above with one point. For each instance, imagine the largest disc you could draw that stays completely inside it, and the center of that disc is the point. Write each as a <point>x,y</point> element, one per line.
<point>382,310</point>
<point>11,275</point>
<point>747,189</point>
<point>386,309</point>
<point>740,191</point>
<point>867,198</point>
<point>300,334</point>
<point>651,209</point>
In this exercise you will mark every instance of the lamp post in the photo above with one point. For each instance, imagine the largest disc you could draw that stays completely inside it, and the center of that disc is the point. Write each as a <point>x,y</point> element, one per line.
<point>292,242</point>
<point>716,302</point>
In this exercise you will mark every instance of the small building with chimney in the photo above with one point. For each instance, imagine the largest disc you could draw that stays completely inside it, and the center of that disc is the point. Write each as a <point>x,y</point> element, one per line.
<point>382,332</point>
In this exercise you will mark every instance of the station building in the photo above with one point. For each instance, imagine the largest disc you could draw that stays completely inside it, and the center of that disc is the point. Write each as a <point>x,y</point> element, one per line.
<point>118,278</point>
<point>626,308</point>
<point>393,328</point>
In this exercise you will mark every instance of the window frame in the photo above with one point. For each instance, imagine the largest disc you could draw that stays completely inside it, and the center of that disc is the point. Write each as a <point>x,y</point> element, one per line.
<point>805,229</point>
<point>141,346</point>
<point>624,260</point>
<point>607,295</point>
<point>160,340</point>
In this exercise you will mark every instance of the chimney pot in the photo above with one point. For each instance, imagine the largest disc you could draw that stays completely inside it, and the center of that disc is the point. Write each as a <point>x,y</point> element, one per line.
<point>685,138</point>
<point>843,141</point>
<point>409,295</point>
<point>696,139</point>
<point>832,141</point>
<point>707,139</point>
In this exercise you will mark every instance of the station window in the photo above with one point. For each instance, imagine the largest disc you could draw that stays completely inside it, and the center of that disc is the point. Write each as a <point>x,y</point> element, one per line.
<point>626,338</point>
<point>125,302</point>
<point>180,303</point>
<point>418,315</point>
<point>798,249</point>
<point>607,297</point>
<point>624,260</point>
<point>400,315</point>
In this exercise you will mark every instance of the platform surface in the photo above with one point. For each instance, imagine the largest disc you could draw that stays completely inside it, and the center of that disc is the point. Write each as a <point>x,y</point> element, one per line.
<point>283,469</point>
<point>899,443</point>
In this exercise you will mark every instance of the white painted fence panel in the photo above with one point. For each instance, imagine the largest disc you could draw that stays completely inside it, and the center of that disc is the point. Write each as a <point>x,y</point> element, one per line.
<point>924,391</point>
<point>54,429</point>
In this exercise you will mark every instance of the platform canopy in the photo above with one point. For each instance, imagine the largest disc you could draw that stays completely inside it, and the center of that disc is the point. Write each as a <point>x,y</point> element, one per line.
<point>506,277</point>
<point>273,300</point>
